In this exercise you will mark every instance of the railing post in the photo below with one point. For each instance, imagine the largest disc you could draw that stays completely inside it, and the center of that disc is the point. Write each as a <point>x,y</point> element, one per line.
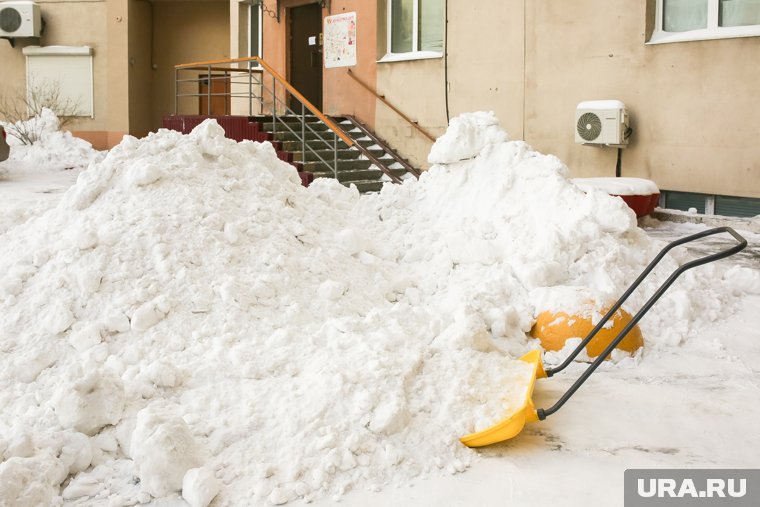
<point>176,90</point>
<point>250,88</point>
<point>303,133</point>
<point>227,91</point>
<point>335,156</point>
<point>208,92</point>
<point>274,105</point>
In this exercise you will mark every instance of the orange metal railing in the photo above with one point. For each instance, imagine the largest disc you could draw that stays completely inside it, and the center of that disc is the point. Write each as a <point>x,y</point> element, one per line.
<point>262,90</point>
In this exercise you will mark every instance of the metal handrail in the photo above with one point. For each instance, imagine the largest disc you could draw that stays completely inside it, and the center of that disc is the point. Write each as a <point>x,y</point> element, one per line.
<point>255,76</point>
<point>391,106</point>
<point>303,100</point>
<point>406,165</point>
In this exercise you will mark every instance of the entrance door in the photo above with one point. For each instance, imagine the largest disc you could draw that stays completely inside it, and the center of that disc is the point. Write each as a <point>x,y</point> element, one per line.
<point>306,54</point>
<point>220,95</point>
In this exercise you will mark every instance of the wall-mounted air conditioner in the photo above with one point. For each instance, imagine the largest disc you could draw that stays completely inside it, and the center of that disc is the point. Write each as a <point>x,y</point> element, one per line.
<point>601,122</point>
<point>20,19</point>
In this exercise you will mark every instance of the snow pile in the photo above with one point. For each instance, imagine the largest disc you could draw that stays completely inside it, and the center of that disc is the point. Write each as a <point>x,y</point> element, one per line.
<point>190,320</point>
<point>618,186</point>
<point>53,150</point>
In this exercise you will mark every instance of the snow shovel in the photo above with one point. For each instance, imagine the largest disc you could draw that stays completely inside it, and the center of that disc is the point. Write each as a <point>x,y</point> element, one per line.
<point>513,424</point>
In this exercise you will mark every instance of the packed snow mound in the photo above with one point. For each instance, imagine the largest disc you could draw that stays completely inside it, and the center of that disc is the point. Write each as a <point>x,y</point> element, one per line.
<point>191,320</point>
<point>466,136</point>
<point>53,150</point>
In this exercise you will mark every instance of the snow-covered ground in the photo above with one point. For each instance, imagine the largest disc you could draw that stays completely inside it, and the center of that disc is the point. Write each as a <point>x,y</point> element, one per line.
<point>186,305</point>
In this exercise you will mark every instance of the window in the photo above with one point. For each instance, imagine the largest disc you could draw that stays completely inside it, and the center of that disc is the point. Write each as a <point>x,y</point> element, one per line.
<point>65,69</point>
<point>254,30</point>
<point>415,29</point>
<point>684,20</point>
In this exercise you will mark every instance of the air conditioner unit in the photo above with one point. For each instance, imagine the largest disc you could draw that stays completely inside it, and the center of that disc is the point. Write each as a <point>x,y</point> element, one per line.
<point>601,122</point>
<point>20,19</point>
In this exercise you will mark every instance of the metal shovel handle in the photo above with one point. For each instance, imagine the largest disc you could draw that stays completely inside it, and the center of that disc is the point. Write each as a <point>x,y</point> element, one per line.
<point>741,244</point>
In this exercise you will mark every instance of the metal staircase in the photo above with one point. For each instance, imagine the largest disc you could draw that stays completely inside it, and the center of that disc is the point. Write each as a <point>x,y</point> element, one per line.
<point>317,145</point>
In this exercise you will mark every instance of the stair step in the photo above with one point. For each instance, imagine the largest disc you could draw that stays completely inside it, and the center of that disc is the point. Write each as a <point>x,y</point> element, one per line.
<point>327,135</point>
<point>343,165</point>
<point>351,175</point>
<point>290,118</point>
<point>319,145</point>
<point>346,154</point>
<point>279,127</point>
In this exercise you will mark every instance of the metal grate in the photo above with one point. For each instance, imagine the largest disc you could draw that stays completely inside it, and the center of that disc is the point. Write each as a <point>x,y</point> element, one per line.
<point>685,200</point>
<point>589,126</point>
<point>10,20</point>
<point>737,206</point>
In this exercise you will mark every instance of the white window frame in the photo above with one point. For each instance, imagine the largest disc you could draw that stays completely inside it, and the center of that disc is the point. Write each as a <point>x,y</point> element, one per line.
<point>414,54</point>
<point>713,31</point>
<point>255,7</point>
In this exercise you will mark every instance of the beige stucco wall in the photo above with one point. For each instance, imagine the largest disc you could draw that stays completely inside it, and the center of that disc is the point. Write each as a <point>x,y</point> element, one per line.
<point>80,24</point>
<point>486,68</point>
<point>185,32</point>
<point>694,104</point>
<point>417,89</point>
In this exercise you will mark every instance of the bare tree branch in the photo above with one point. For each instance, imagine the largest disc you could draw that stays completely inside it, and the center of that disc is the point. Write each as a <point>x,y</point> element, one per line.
<point>19,107</point>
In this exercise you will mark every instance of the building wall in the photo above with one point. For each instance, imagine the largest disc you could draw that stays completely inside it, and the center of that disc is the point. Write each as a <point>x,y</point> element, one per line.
<point>486,60</point>
<point>140,66</point>
<point>81,23</point>
<point>417,88</point>
<point>342,94</point>
<point>693,104</point>
<point>185,32</point>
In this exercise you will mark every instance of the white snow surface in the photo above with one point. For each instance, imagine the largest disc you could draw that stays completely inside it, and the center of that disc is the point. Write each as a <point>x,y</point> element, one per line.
<point>190,319</point>
<point>619,186</point>
<point>55,149</point>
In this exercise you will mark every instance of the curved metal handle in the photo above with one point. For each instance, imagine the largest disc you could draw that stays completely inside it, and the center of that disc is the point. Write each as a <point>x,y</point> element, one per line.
<point>741,244</point>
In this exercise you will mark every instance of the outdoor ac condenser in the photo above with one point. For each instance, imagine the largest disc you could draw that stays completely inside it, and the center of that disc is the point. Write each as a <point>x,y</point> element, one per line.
<point>601,122</point>
<point>20,19</point>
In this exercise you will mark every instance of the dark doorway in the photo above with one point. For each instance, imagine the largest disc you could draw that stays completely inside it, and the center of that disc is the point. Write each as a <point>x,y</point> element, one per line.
<point>305,28</point>
<point>220,95</point>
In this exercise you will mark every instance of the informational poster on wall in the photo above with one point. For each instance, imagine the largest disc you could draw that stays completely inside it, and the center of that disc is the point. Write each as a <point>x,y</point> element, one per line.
<point>340,40</point>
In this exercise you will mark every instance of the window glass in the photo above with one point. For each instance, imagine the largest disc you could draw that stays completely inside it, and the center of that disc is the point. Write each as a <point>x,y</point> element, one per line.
<point>255,50</point>
<point>402,16</point>
<point>739,12</point>
<point>431,19</point>
<point>684,15</point>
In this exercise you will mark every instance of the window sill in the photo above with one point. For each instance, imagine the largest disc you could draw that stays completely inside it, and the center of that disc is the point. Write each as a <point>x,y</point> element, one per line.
<point>414,55</point>
<point>728,32</point>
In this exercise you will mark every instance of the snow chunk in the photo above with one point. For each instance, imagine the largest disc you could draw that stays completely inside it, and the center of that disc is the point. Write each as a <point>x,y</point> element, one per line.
<point>467,135</point>
<point>163,449</point>
<point>200,486</point>
<point>146,317</point>
<point>30,482</point>
<point>89,404</point>
<point>58,318</point>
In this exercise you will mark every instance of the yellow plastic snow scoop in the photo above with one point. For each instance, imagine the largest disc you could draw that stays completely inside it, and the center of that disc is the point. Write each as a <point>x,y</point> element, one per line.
<point>513,424</point>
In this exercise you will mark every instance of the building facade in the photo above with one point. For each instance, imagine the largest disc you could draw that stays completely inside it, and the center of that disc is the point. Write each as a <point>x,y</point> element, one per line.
<point>685,69</point>
<point>132,46</point>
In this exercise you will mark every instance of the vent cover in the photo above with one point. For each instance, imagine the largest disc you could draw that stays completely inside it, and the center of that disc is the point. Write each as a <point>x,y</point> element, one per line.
<point>589,126</point>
